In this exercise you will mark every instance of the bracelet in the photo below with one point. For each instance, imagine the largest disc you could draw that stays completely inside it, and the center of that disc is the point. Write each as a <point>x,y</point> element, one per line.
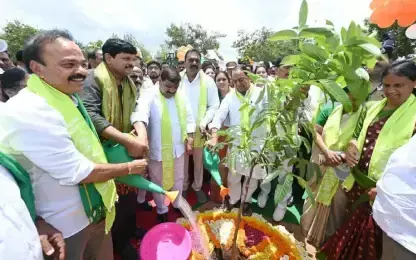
<point>129,167</point>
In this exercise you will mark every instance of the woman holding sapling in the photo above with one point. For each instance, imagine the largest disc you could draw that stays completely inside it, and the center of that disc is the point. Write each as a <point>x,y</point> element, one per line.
<point>388,124</point>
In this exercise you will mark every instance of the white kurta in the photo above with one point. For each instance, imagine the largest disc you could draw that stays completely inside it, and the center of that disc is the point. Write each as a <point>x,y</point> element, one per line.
<point>192,92</point>
<point>19,238</point>
<point>149,111</point>
<point>230,106</point>
<point>394,209</point>
<point>36,135</point>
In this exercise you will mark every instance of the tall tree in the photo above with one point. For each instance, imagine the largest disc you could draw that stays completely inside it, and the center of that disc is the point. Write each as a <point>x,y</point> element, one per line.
<point>257,46</point>
<point>16,34</point>
<point>404,46</point>
<point>194,35</point>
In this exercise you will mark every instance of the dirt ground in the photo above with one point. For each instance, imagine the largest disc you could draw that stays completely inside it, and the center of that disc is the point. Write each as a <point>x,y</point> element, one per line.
<point>292,228</point>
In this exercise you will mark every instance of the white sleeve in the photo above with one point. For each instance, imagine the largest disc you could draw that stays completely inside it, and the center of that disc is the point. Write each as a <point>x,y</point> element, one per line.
<point>43,138</point>
<point>221,113</point>
<point>213,101</point>
<point>190,121</point>
<point>142,111</point>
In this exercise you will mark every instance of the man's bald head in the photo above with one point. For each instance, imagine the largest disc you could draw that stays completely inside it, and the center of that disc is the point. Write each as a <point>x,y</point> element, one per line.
<point>240,80</point>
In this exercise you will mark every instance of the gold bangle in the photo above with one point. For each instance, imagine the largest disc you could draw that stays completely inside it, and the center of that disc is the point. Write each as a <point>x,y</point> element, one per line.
<point>129,167</point>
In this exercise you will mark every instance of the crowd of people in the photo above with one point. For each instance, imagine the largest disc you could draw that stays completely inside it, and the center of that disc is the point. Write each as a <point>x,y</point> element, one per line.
<point>61,198</point>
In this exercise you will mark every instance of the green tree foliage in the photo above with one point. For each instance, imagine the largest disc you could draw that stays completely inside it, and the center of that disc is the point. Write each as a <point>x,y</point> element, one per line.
<point>194,35</point>
<point>257,46</point>
<point>94,45</point>
<point>404,45</point>
<point>16,34</point>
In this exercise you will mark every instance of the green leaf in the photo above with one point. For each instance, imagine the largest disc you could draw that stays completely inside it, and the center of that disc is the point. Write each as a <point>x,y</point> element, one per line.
<point>328,22</point>
<point>291,60</point>
<point>362,74</point>
<point>284,35</point>
<point>314,51</point>
<point>371,48</point>
<point>283,189</point>
<point>312,32</point>
<point>308,189</point>
<point>337,92</point>
<point>303,14</point>
<point>271,176</point>
<point>351,33</point>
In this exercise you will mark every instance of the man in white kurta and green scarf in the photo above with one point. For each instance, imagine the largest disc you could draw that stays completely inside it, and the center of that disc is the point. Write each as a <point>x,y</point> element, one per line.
<point>231,106</point>
<point>202,93</point>
<point>47,130</point>
<point>164,116</point>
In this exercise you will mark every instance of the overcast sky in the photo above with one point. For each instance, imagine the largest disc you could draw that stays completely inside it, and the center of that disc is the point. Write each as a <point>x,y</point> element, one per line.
<point>90,20</point>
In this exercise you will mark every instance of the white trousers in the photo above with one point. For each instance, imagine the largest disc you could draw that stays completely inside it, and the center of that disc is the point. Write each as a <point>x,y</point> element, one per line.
<point>198,170</point>
<point>266,188</point>
<point>156,175</point>
<point>234,184</point>
<point>141,196</point>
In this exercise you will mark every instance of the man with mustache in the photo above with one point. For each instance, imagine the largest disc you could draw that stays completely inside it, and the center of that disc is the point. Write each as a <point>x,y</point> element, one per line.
<point>202,92</point>
<point>167,115</point>
<point>110,96</point>
<point>47,130</point>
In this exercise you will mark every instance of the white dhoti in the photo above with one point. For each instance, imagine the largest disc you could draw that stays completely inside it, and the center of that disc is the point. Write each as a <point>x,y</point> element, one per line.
<point>198,170</point>
<point>141,196</point>
<point>234,182</point>
<point>156,175</point>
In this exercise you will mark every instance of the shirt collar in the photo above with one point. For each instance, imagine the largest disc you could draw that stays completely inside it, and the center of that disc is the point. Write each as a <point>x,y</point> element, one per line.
<point>196,77</point>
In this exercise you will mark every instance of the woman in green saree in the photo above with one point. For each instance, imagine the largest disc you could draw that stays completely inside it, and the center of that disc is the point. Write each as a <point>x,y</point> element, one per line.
<point>388,124</point>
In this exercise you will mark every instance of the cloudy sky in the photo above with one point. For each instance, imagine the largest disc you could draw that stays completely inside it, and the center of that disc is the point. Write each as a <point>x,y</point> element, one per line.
<point>90,20</point>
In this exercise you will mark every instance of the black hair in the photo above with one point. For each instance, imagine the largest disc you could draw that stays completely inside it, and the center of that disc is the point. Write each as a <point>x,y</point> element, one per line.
<point>92,54</point>
<point>181,62</point>
<point>225,74</point>
<point>155,63</point>
<point>116,46</point>
<point>278,62</point>
<point>206,65</point>
<point>171,75</point>
<point>193,51</point>
<point>19,55</point>
<point>11,77</point>
<point>403,68</point>
<point>34,47</point>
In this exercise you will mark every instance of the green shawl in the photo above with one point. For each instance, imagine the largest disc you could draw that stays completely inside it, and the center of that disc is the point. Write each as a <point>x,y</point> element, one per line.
<point>396,132</point>
<point>22,178</point>
<point>116,110</point>
<point>98,198</point>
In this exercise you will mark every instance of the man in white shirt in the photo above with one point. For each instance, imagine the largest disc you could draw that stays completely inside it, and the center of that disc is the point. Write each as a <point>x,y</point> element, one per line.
<point>193,81</point>
<point>230,106</point>
<point>149,114</point>
<point>33,130</point>
<point>394,208</point>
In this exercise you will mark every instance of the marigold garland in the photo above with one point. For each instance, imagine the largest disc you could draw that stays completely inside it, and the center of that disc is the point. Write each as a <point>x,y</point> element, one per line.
<point>277,243</point>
